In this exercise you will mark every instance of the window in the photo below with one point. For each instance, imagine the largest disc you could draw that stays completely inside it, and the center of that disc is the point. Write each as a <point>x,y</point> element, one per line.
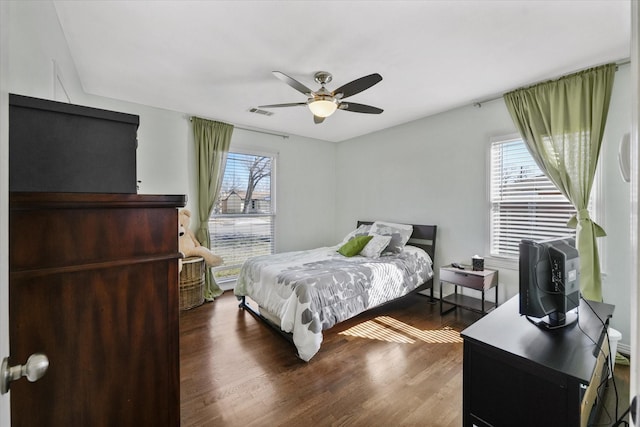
<point>243,217</point>
<point>525,204</point>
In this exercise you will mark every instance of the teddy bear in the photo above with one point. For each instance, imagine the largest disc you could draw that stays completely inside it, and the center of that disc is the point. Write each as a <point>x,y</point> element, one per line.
<point>189,245</point>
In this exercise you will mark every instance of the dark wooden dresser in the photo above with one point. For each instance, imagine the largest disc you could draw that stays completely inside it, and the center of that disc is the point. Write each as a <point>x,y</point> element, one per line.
<point>93,284</point>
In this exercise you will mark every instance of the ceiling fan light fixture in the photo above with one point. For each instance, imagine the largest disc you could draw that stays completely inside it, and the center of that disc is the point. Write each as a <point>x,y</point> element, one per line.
<point>323,107</point>
<point>323,102</point>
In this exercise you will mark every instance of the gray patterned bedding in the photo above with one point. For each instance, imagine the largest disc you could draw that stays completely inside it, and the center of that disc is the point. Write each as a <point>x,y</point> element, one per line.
<point>310,291</point>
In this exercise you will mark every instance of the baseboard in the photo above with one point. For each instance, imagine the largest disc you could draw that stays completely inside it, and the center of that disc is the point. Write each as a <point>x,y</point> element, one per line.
<point>624,349</point>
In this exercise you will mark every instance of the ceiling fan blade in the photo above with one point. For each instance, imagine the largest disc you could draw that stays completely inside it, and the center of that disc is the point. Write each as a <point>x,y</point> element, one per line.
<point>317,119</point>
<point>360,108</point>
<point>293,83</point>
<point>291,104</point>
<point>357,86</point>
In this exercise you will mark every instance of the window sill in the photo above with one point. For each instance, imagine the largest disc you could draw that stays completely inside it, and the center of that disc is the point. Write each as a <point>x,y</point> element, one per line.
<point>513,264</point>
<point>502,263</point>
<point>227,285</point>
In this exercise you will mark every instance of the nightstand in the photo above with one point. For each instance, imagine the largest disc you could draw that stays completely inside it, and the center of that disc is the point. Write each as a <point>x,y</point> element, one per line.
<point>480,281</point>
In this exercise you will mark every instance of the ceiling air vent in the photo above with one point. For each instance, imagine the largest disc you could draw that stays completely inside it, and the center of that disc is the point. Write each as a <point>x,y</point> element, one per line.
<point>259,111</point>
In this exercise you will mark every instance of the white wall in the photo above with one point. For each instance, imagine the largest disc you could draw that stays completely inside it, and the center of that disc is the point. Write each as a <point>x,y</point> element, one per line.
<point>430,171</point>
<point>616,262</point>
<point>305,181</point>
<point>36,41</point>
<point>434,171</point>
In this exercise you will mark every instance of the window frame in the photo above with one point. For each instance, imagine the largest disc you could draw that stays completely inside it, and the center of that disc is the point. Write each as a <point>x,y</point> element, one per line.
<point>596,207</point>
<point>249,151</point>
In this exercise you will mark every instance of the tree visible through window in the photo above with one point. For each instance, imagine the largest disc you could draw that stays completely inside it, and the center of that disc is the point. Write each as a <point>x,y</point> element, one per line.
<point>524,202</point>
<point>243,217</point>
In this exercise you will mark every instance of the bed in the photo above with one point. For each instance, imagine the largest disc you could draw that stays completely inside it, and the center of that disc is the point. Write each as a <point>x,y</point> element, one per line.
<point>302,293</point>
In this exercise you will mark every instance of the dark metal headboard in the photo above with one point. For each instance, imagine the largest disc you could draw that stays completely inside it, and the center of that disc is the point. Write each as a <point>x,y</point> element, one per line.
<point>423,236</point>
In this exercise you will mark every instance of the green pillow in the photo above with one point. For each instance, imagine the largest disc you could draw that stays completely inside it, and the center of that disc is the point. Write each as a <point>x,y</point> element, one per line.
<point>354,246</point>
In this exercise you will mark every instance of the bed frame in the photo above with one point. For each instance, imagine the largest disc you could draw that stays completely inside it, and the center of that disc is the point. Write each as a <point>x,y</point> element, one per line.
<point>423,237</point>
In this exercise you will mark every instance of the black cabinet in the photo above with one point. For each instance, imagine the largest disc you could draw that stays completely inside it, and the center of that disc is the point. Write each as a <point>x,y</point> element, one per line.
<point>59,147</point>
<point>517,374</point>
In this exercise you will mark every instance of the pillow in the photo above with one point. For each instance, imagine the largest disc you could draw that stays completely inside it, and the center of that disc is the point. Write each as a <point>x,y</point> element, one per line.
<point>363,230</point>
<point>354,246</point>
<point>400,234</point>
<point>375,246</point>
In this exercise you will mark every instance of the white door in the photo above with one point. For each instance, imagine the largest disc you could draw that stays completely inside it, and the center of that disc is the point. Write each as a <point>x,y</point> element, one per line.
<point>635,200</point>
<point>4,201</point>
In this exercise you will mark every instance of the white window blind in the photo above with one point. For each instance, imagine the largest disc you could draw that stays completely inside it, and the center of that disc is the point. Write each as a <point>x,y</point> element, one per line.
<point>524,202</point>
<point>243,218</point>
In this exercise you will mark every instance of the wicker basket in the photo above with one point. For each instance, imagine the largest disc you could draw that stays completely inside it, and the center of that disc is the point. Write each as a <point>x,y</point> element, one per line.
<point>192,283</point>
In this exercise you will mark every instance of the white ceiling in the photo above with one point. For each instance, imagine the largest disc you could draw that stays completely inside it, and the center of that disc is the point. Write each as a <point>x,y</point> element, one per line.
<point>214,58</point>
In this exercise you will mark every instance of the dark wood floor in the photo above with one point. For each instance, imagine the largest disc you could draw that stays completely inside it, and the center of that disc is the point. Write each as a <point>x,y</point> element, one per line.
<point>400,364</point>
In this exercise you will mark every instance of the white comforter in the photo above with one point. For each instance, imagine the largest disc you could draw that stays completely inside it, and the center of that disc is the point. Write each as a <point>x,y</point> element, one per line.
<point>312,290</point>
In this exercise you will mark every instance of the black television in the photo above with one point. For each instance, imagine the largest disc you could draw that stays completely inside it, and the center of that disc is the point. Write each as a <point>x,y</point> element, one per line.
<point>549,281</point>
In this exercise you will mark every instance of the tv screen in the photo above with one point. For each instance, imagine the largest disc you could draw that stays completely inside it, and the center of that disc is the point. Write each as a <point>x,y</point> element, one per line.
<point>549,281</point>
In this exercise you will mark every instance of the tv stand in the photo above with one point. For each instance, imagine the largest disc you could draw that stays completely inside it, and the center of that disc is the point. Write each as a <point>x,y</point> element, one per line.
<point>515,373</point>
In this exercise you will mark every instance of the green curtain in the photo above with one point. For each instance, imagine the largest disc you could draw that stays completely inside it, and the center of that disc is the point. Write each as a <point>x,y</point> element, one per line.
<point>562,122</point>
<point>212,140</point>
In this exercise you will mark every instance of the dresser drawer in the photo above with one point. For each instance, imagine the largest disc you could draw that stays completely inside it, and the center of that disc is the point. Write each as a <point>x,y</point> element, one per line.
<point>480,280</point>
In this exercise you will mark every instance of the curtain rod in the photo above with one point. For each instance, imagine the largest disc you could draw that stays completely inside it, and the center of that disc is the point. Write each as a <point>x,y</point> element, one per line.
<point>283,136</point>
<point>478,104</point>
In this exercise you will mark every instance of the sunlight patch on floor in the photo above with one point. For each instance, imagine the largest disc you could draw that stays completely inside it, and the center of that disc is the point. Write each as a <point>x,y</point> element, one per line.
<point>385,328</point>
<point>375,331</point>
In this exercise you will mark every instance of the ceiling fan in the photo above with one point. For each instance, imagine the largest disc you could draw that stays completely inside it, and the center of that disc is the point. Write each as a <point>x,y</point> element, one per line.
<point>323,103</point>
